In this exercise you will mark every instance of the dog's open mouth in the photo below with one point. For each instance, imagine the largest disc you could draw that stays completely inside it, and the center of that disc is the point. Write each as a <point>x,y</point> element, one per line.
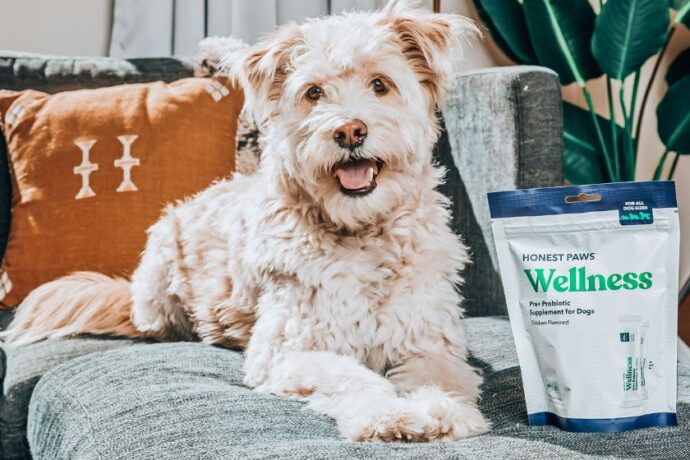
<point>358,177</point>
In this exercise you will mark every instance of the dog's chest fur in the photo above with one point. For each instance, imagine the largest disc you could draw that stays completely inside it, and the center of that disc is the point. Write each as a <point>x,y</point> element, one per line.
<point>357,295</point>
<point>350,291</point>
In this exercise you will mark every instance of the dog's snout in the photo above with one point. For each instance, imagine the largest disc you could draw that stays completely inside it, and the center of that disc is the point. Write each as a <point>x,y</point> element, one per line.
<point>350,135</point>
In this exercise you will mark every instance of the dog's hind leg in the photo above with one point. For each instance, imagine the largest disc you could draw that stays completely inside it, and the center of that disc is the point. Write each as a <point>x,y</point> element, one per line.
<point>158,284</point>
<point>227,323</point>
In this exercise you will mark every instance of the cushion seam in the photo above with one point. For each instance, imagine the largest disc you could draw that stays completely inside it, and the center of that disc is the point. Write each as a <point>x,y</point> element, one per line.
<point>64,392</point>
<point>519,119</point>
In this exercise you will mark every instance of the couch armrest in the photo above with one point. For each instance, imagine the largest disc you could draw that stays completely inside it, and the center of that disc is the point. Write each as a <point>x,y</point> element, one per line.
<point>504,131</point>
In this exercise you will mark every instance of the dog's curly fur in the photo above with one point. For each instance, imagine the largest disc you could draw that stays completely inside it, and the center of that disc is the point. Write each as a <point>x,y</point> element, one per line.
<point>347,302</point>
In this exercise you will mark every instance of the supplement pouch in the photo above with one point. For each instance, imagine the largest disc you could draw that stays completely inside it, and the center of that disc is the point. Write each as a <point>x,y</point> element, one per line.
<point>590,275</point>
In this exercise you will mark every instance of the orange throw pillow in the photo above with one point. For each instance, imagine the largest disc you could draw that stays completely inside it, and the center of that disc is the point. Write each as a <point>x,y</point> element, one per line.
<point>92,169</point>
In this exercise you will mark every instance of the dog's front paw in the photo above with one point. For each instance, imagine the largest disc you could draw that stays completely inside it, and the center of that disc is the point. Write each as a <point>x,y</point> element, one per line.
<point>457,421</point>
<point>452,418</point>
<point>399,422</point>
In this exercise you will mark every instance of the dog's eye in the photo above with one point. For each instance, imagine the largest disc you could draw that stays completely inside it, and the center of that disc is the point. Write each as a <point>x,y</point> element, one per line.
<point>379,86</point>
<point>314,93</point>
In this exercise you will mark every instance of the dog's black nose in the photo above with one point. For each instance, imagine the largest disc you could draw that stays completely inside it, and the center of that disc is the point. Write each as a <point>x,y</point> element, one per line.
<point>350,135</point>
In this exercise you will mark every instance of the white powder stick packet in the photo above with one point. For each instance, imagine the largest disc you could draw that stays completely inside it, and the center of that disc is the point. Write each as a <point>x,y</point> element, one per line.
<point>591,281</point>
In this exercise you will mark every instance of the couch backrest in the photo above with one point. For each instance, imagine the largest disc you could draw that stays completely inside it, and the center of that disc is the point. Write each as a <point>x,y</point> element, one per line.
<point>503,130</point>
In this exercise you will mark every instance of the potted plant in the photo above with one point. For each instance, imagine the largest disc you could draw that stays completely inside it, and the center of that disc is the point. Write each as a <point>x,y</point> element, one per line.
<point>569,37</point>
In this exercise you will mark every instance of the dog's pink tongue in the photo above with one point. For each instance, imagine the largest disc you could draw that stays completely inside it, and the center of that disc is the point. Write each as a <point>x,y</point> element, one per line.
<point>357,175</point>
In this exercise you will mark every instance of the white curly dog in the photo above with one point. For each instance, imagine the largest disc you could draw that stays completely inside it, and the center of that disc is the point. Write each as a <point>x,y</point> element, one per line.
<point>333,266</point>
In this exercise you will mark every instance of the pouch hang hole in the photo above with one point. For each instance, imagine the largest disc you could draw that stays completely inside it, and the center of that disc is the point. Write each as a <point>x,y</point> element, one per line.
<point>583,198</point>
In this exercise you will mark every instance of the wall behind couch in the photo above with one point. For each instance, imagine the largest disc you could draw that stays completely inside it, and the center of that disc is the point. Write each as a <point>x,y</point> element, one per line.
<point>83,27</point>
<point>73,27</point>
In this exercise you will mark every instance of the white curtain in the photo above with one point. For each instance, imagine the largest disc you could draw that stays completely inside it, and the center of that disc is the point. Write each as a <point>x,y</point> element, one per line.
<point>144,28</point>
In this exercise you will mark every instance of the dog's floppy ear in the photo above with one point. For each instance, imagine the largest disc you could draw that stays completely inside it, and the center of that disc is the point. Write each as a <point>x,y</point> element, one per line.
<point>432,43</point>
<point>261,70</point>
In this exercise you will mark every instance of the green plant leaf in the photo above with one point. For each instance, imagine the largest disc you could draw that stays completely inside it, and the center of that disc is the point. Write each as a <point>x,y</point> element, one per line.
<point>627,33</point>
<point>495,34</point>
<point>673,117</point>
<point>583,160</point>
<point>507,26</point>
<point>679,68</point>
<point>683,8</point>
<point>561,31</point>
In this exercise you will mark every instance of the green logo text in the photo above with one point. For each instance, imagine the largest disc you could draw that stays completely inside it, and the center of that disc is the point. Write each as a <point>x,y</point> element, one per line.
<point>577,280</point>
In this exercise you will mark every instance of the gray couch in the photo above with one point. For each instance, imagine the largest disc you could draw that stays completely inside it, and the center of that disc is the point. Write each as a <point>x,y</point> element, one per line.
<point>115,398</point>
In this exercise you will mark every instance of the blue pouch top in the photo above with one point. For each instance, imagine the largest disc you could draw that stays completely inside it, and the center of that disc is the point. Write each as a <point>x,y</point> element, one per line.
<point>634,200</point>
